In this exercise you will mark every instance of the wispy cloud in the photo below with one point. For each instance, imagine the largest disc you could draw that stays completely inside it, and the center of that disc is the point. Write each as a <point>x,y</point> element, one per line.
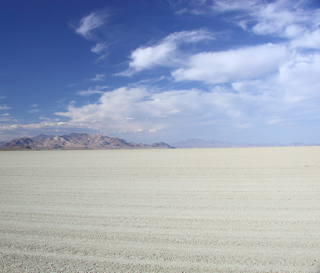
<point>282,18</point>
<point>47,127</point>
<point>5,117</point>
<point>101,49</point>
<point>89,24</point>
<point>34,109</point>
<point>92,90</point>
<point>90,27</point>
<point>99,77</point>
<point>4,107</point>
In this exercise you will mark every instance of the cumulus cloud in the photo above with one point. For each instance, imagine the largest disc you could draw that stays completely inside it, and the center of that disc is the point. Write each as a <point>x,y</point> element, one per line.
<point>164,53</point>
<point>132,109</point>
<point>245,104</point>
<point>144,58</point>
<point>233,65</point>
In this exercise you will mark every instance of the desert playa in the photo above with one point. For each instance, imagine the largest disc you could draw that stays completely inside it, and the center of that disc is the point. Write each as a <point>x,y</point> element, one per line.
<point>182,210</point>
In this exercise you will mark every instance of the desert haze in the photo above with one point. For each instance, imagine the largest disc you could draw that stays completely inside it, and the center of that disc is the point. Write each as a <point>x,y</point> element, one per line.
<point>182,210</point>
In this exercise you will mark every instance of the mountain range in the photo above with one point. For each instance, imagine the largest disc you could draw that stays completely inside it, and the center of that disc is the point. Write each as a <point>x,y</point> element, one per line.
<point>81,141</point>
<point>76,141</point>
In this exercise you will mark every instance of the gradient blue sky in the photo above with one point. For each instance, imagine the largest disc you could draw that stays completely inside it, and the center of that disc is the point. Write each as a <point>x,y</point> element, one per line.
<point>156,70</point>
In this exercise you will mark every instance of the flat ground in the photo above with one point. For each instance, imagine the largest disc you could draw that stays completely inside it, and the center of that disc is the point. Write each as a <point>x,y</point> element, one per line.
<point>184,210</point>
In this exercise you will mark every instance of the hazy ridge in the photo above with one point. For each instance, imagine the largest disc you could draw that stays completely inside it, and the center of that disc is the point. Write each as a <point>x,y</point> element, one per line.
<point>200,143</point>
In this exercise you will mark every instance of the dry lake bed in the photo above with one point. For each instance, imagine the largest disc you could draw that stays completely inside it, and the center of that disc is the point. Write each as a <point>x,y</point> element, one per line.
<point>182,210</point>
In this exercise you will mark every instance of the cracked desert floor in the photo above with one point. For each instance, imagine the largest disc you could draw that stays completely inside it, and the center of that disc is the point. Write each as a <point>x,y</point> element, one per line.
<point>181,210</point>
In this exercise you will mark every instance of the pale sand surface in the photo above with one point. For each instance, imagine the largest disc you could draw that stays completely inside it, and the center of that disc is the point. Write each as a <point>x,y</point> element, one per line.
<point>187,210</point>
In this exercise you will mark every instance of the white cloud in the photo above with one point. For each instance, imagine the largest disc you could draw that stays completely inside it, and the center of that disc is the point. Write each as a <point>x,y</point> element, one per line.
<point>101,49</point>
<point>232,65</point>
<point>144,58</point>
<point>34,109</point>
<point>230,5</point>
<point>290,95</point>
<point>96,90</point>
<point>165,52</point>
<point>296,21</point>
<point>99,77</point>
<point>275,18</point>
<point>308,40</point>
<point>90,23</point>
<point>193,36</point>
<point>91,28</point>
<point>300,79</point>
<point>4,107</point>
<point>283,18</point>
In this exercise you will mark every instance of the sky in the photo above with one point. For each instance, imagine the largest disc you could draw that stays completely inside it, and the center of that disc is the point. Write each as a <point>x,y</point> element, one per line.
<point>161,70</point>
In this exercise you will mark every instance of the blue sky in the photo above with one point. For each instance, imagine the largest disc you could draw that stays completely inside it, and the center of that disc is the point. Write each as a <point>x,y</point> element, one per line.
<point>156,70</point>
